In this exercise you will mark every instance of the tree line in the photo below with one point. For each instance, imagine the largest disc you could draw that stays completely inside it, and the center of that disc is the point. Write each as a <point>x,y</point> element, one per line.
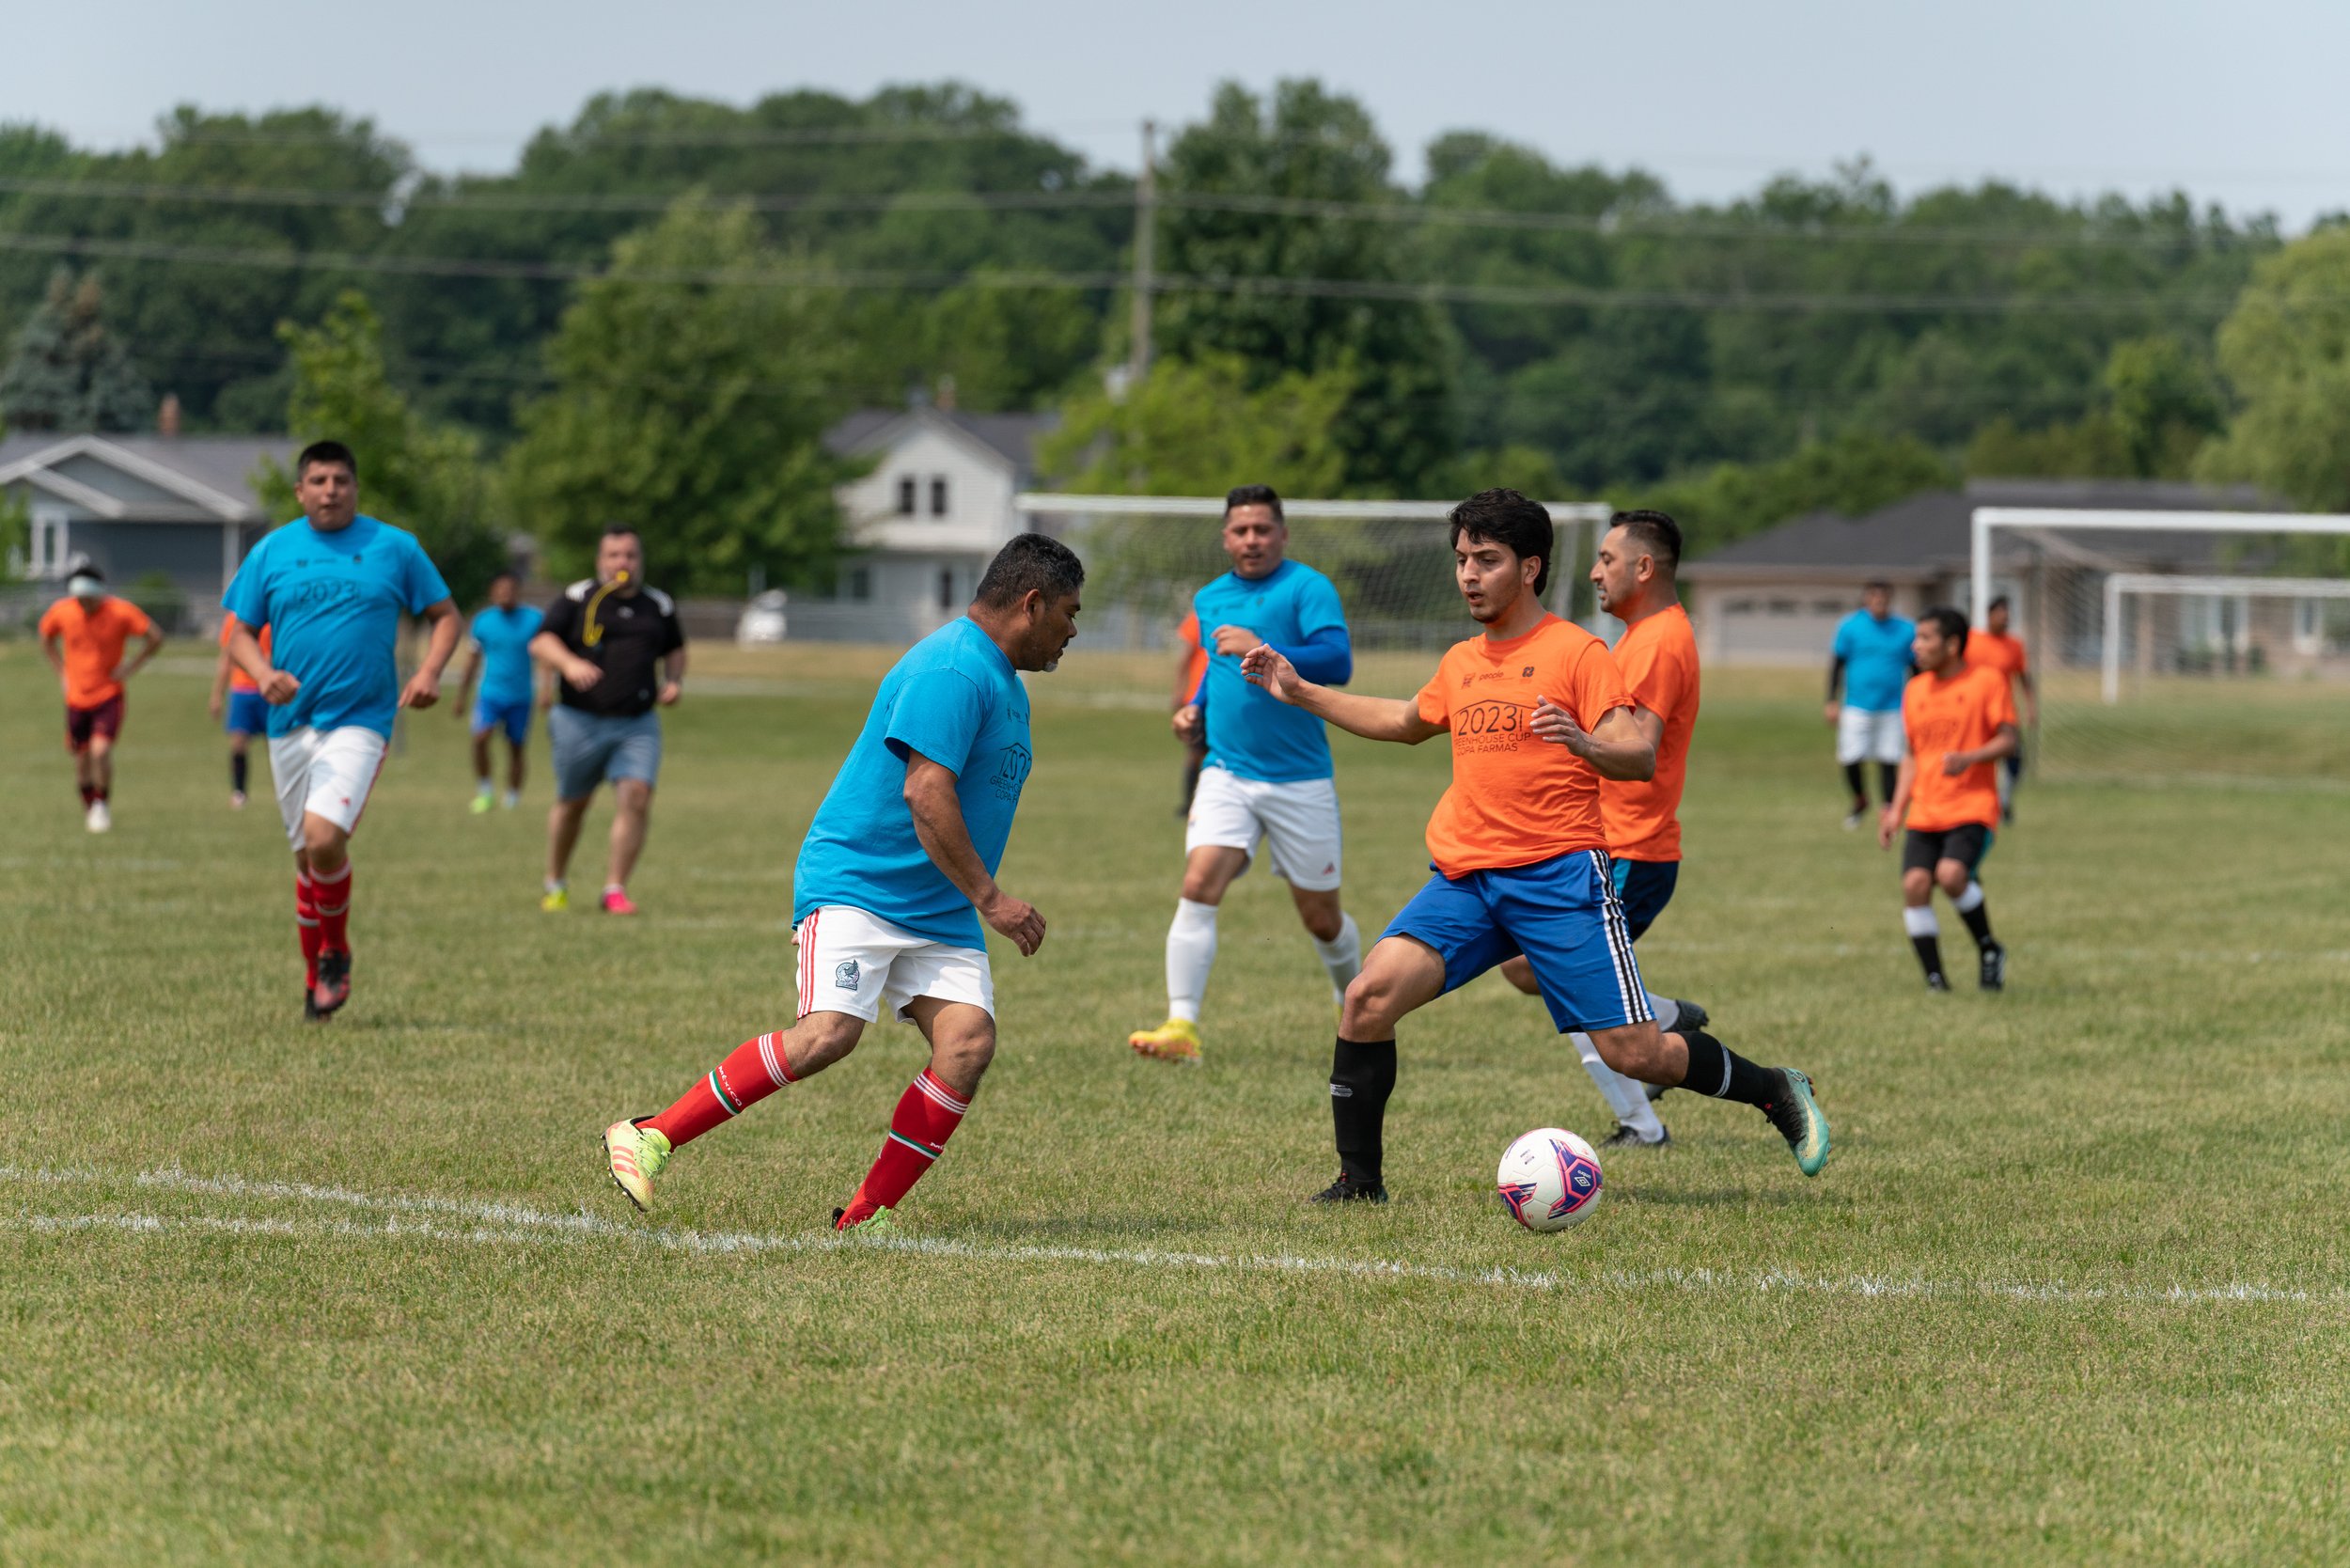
<point>659,310</point>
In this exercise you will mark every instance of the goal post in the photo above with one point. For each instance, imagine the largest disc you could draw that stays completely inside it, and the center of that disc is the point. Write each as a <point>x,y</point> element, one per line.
<point>2120,587</point>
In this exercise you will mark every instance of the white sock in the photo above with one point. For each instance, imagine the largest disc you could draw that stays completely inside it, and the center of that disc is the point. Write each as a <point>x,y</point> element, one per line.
<point>1628,1098</point>
<point>1969,900</point>
<point>1667,1014</point>
<point>1342,955</point>
<point>555,884</point>
<point>482,788</point>
<point>1921,920</point>
<point>1190,954</point>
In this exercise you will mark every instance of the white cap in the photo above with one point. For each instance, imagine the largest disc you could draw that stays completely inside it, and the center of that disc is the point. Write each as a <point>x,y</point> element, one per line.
<point>85,586</point>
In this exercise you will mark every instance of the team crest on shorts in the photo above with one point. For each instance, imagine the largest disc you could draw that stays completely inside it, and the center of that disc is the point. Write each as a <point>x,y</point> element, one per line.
<point>844,974</point>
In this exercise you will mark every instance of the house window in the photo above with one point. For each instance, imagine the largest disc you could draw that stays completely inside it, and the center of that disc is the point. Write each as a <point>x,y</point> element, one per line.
<point>1785,607</point>
<point>938,496</point>
<point>2309,625</point>
<point>50,546</point>
<point>945,587</point>
<point>905,495</point>
<point>857,583</point>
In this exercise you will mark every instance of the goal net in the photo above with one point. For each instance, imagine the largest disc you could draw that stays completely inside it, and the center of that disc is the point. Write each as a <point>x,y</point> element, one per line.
<point>1146,556</point>
<point>2170,647</point>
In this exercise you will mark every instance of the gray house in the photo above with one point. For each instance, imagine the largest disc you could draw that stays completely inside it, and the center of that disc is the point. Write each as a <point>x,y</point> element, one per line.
<point>182,507</point>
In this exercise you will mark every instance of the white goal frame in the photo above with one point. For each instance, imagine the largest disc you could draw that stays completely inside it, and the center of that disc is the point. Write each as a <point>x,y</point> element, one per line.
<point>1988,519</point>
<point>2121,584</point>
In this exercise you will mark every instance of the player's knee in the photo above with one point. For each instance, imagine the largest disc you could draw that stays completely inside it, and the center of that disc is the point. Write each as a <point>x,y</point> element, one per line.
<point>632,795</point>
<point>1917,884</point>
<point>1324,925</point>
<point>1520,973</point>
<point>1952,876</point>
<point>324,841</point>
<point>1368,1012</point>
<point>1635,1050</point>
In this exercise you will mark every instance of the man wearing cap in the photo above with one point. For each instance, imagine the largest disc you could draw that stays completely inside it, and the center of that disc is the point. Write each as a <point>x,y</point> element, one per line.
<point>84,636</point>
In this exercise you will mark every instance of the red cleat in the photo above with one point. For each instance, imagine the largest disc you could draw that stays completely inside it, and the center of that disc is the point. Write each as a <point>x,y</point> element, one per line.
<point>333,984</point>
<point>616,902</point>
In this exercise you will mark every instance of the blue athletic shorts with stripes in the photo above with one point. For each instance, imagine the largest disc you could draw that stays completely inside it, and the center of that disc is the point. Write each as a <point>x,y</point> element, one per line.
<point>1644,888</point>
<point>1564,915</point>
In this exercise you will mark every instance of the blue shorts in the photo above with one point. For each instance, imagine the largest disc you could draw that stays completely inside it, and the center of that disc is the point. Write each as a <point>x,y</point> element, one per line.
<point>248,713</point>
<point>592,749</point>
<point>1644,888</point>
<point>514,717</point>
<point>1564,915</point>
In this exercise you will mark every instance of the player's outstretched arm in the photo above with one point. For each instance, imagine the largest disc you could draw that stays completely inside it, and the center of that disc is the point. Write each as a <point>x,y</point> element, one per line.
<point>1374,718</point>
<point>424,688</point>
<point>930,795</point>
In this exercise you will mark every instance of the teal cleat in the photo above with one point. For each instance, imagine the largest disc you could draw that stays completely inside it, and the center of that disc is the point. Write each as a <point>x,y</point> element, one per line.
<point>1801,1123</point>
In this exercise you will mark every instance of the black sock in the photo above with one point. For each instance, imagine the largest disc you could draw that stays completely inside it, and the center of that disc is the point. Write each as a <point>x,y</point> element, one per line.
<point>237,761</point>
<point>1716,1069</point>
<point>1888,776</point>
<point>1929,954</point>
<point>1362,1075</point>
<point>1857,782</point>
<point>1979,924</point>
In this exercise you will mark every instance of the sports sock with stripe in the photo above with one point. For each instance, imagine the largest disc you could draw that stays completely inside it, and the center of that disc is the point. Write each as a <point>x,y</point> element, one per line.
<point>1716,1069</point>
<point>332,891</point>
<point>307,924</point>
<point>1926,935</point>
<point>1362,1075</point>
<point>1970,909</point>
<point>926,1116</point>
<point>752,1070</point>
<point>1190,954</point>
<point>1342,955</point>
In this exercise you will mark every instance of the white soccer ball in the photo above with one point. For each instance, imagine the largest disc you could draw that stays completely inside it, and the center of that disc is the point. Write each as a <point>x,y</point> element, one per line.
<point>1549,1180</point>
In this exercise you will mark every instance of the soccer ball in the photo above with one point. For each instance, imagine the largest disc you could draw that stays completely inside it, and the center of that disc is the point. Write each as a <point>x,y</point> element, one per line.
<point>1549,1180</point>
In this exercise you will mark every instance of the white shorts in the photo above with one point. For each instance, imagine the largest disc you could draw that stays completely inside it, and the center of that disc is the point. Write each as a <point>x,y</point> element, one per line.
<point>853,963</point>
<point>326,773</point>
<point>1299,821</point>
<point>1864,735</point>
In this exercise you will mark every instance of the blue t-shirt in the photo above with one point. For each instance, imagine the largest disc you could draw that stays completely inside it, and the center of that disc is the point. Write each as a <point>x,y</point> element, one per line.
<point>955,698</point>
<point>1876,660</point>
<point>333,603</point>
<point>504,638</point>
<point>1251,733</point>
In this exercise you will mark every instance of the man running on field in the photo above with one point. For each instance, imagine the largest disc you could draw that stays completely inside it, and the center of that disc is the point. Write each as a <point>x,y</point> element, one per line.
<point>1868,664</point>
<point>1993,648</point>
<point>1538,714</point>
<point>1633,572</point>
<point>895,874</point>
<point>240,706</point>
<point>1961,720</point>
<point>84,636</point>
<point>1268,774</point>
<point>330,589</point>
<point>500,635</point>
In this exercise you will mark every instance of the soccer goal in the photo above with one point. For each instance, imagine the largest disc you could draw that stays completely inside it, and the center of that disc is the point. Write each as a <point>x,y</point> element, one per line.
<point>2177,645</point>
<point>1146,556</point>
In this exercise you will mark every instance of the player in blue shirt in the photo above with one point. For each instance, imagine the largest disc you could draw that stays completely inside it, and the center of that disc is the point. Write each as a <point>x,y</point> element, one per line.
<point>501,636</point>
<point>1267,775</point>
<point>1871,665</point>
<point>896,874</point>
<point>330,587</point>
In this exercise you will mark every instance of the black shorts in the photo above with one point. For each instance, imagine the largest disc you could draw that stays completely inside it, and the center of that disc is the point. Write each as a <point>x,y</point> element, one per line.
<point>1966,843</point>
<point>1644,888</point>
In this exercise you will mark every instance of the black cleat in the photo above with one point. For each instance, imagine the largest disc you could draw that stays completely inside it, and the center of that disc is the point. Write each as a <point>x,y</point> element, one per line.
<point>1624,1138</point>
<point>1993,974</point>
<point>1347,1190</point>
<point>310,1013</point>
<point>334,987</point>
<point>1937,981</point>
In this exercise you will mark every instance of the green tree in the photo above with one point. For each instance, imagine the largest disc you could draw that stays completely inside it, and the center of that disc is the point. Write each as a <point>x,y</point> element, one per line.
<point>2285,349</point>
<point>692,406</point>
<point>1851,473</point>
<point>67,372</point>
<point>1198,428</point>
<point>424,477</point>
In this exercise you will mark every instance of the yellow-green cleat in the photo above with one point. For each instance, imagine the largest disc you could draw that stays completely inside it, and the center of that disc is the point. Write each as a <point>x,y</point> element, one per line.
<point>638,1153</point>
<point>879,1223</point>
<point>1176,1039</point>
<point>556,900</point>
<point>1800,1121</point>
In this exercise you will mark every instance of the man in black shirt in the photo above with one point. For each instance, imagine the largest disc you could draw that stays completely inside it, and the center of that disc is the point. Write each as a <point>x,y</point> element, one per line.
<point>617,650</point>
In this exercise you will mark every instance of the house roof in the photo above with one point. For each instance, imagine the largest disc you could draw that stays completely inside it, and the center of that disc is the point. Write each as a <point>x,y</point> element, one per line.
<point>1923,536</point>
<point>211,473</point>
<point>1010,436</point>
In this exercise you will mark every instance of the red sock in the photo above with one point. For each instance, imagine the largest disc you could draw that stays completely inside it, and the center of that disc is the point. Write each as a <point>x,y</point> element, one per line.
<point>333,893</point>
<point>306,925</point>
<point>88,796</point>
<point>752,1070</point>
<point>926,1116</point>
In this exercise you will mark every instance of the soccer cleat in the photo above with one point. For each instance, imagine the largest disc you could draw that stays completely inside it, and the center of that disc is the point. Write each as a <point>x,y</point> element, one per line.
<point>1176,1039</point>
<point>1852,822</point>
<point>310,1013</point>
<point>1347,1190</point>
<point>1800,1121</point>
<point>334,987</point>
<point>638,1152</point>
<point>555,900</point>
<point>1993,976</point>
<point>1937,981</point>
<point>1624,1138</point>
<point>480,805</point>
<point>616,902</point>
<point>879,1223</point>
<point>236,800</point>
<point>98,819</point>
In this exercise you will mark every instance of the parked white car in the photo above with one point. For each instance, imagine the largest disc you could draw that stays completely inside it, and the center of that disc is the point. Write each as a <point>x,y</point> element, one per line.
<point>762,619</point>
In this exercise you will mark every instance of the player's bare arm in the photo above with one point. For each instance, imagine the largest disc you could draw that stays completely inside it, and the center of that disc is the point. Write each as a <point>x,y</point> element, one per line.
<point>245,650</point>
<point>1618,747</point>
<point>154,641</point>
<point>424,688</point>
<point>672,678</point>
<point>1235,640</point>
<point>2001,744</point>
<point>53,647</point>
<point>1897,809</point>
<point>930,795</point>
<point>464,684</point>
<point>577,673</point>
<point>218,702</point>
<point>1374,718</point>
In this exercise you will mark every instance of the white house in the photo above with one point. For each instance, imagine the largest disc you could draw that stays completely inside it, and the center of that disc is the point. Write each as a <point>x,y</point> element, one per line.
<point>924,523</point>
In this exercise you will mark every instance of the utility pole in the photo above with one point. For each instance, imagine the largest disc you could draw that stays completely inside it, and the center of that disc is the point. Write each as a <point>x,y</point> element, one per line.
<point>1146,223</point>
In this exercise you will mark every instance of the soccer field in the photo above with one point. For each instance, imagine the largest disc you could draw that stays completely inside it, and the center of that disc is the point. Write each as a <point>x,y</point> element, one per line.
<point>2074,1286</point>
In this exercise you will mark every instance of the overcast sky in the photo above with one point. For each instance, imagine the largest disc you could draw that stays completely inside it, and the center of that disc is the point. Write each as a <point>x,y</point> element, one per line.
<point>2240,103</point>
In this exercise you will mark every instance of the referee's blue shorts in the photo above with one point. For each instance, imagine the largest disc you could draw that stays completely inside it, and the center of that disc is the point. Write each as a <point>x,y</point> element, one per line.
<point>1562,913</point>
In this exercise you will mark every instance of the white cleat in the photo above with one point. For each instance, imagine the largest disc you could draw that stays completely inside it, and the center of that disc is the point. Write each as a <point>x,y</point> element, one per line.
<point>100,819</point>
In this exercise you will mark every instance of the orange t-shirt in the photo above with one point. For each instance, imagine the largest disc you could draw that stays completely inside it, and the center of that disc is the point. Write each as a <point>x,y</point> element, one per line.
<point>238,680</point>
<point>1659,661</point>
<point>92,642</point>
<point>1955,714</point>
<point>1996,651</point>
<point>1197,666</point>
<point>1515,800</point>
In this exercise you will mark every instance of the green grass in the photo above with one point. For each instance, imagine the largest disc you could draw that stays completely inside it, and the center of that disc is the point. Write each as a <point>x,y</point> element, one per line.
<point>1727,1363</point>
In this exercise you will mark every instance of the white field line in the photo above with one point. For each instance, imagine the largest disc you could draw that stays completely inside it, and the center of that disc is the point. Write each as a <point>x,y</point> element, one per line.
<point>514,1224</point>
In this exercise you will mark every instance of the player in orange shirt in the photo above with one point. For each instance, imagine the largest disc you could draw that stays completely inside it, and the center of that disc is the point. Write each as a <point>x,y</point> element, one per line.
<point>235,695</point>
<point>84,636</point>
<point>1538,714</point>
<point>1993,647</point>
<point>1192,663</point>
<point>1959,720</point>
